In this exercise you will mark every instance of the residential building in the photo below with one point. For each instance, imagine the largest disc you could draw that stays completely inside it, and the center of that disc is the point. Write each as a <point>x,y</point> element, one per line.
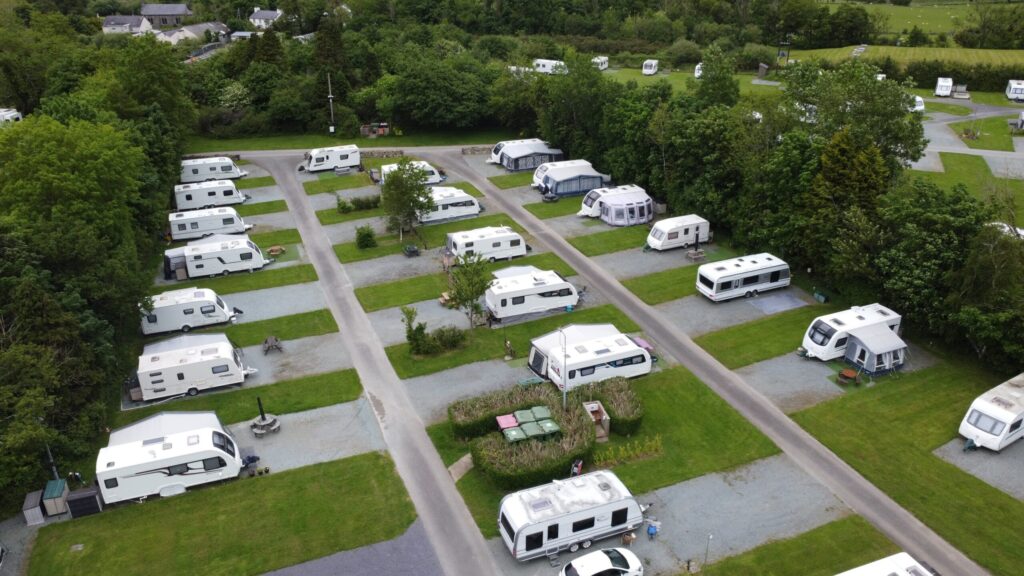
<point>165,15</point>
<point>263,19</point>
<point>133,25</point>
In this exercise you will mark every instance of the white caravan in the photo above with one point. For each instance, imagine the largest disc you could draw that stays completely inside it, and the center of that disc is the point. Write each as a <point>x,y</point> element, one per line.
<point>995,418</point>
<point>538,174</point>
<point>827,336</point>
<point>164,455</point>
<point>901,564</point>
<point>200,223</point>
<point>203,169</point>
<point>550,66</point>
<point>218,254</point>
<point>626,205</point>
<point>1015,90</point>
<point>944,87</point>
<point>650,67</point>
<point>184,310</point>
<point>9,115</point>
<point>491,243</point>
<point>567,514</point>
<point>523,154</point>
<point>530,292</point>
<point>918,105</point>
<point>589,352</point>
<point>679,232</point>
<point>698,70</point>
<point>333,158</point>
<point>743,276</point>
<point>433,175</point>
<point>207,195</point>
<point>450,204</point>
<point>600,62</point>
<point>190,363</point>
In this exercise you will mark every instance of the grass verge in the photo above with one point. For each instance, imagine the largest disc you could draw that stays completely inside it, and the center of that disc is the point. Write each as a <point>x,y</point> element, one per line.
<point>277,237</point>
<point>332,216</point>
<point>200,144</point>
<point>545,210</point>
<point>314,511</point>
<point>426,237</point>
<point>286,397</point>
<point>334,183</point>
<point>675,283</point>
<point>261,208</point>
<point>761,339</point>
<point>467,188</point>
<point>952,109</point>
<point>242,282</point>
<point>291,327</point>
<point>258,182</point>
<point>514,180</point>
<point>904,55</point>
<point>974,173</point>
<point>450,448</point>
<point>611,240</point>
<point>992,133</point>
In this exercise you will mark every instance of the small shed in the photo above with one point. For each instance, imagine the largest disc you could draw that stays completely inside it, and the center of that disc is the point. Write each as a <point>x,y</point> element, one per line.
<point>32,508</point>
<point>85,502</point>
<point>629,207</point>
<point>876,349</point>
<point>55,497</point>
<point>944,87</point>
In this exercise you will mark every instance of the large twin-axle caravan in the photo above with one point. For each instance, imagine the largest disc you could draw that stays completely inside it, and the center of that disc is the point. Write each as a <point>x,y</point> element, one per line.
<point>626,205</point>
<point>184,310</point>
<point>679,232</point>
<point>490,243</point>
<point>188,364</point>
<point>434,176</point>
<point>200,223</point>
<point>217,254</point>
<point>523,154</point>
<point>743,276</point>
<point>827,336</point>
<point>528,291</point>
<point>450,204</point>
<point>164,455</point>
<point>203,169</point>
<point>996,418</point>
<point>332,158</point>
<point>567,515</point>
<point>542,170</point>
<point>587,353</point>
<point>570,180</point>
<point>550,66</point>
<point>207,195</point>
<point>650,67</point>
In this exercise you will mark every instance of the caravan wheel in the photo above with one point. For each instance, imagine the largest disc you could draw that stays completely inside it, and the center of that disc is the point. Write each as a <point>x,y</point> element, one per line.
<point>192,391</point>
<point>186,328</point>
<point>586,544</point>
<point>748,295</point>
<point>224,273</point>
<point>574,546</point>
<point>491,259</point>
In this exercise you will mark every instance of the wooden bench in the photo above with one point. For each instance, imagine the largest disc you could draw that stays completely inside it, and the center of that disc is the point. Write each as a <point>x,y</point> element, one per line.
<point>272,343</point>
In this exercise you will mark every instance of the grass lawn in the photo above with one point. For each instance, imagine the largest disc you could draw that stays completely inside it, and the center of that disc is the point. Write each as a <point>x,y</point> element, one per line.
<point>286,397</point>
<point>243,282</point>
<point>277,237</point>
<point>419,288</point>
<point>611,240</point>
<point>768,337</point>
<point>953,109</point>
<point>675,283</point>
<point>888,432</point>
<point>826,550</point>
<point>199,144</point>
<point>904,55</point>
<point>993,133</point>
<point>450,448</point>
<point>332,216</point>
<point>284,327</point>
<point>545,210</point>
<point>930,19</point>
<point>467,188</point>
<point>426,237</point>
<point>314,511</point>
<point>330,183</point>
<point>513,180</point>
<point>678,80</point>
<point>487,344</point>
<point>258,182</point>
<point>974,173</point>
<point>261,208</point>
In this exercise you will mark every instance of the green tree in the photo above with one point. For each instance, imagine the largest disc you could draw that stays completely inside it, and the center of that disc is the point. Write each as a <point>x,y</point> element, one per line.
<point>404,195</point>
<point>467,283</point>
<point>716,85</point>
<point>570,107</point>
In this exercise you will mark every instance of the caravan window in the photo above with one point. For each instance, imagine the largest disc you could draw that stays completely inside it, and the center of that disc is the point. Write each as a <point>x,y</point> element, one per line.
<point>518,300</point>
<point>534,541</point>
<point>587,371</point>
<point>514,243</point>
<point>224,443</point>
<point>225,168</point>
<point>213,463</point>
<point>110,483</point>
<point>211,193</point>
<point>194,225</point>
<point>707,283</point>
<point>208,309</point>
<point>181,375</point>
<point>751,280</point>
<point>580,525</point>
<point>632,211</point>
<point>220,369</point>
<point>195,170</point>
<point>181,226</point>
<point>496,245</point>
<point>564,292</point>
<point>188,311</point>
<point>188,196</point>
<point>177,469</point>
<point>673,235</point>
<point>228,221</point>
<point>657,233</point>
<point>1014,427</point>
<point>229,192</point>
<point>727,285</point>
<point>619,215</point>
<point>507,527</point>
<point>619,516</point>
<point>572,374</point>
<point>986,423</point>
<point>318,159</point>
<point>245,256</point>
<point>841,343</point>
<point>821,333</point>
<point>504,302</point>
<point>553,528</point>
<point>151,318</point>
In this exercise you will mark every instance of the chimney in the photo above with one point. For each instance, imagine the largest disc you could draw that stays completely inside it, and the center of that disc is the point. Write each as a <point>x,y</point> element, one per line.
<point>255,9</point>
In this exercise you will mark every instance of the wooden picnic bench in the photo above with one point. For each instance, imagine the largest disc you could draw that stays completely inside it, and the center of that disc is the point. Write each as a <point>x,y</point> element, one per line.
<point>272,343</point>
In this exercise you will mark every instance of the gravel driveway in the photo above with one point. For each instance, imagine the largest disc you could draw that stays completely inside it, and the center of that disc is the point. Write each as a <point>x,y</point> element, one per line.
<point>635,262</point>
<point>1002,470</point>
<point>301,357</point>
<point>792,383</point>
<point>394,267</point>
<point>263,194</point>
<point>697,315</point>
<point>388,324</point>
<point>269,303</point>
<point>343,232</point>
<point>273,221</point>
<point>431,394</point>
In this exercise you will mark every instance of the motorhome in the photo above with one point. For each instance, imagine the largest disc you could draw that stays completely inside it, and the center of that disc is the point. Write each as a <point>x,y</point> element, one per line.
<point>827,336</point>
<point>650,67</point>
<point>550,66</point>
<point>527,154</point>
<point>567,515</point>
<point>333,158</point>
<point>698,70</point>
<point>200,223</point>
<point>433,175</point>
<point>626,205</point>
<point>901,564</point>
<point>164,455</point>
<point>184,310</point>
<point>1015,90</point>
<point>996,418</point>
<point>529,291</point>
<point>490,243</point>
<point>9,115</point>
<point>743,276</point>
<point>600,62</point>
<point>679,232</point>
<point>589,353</point>
<point>450,204</point>
<point>203,169</point>
<point>542,170</point>
<point>188,364</point>
<point>944,87</point>
<point>207,195</point>
<point>218,254</point>
<point>572,180</point>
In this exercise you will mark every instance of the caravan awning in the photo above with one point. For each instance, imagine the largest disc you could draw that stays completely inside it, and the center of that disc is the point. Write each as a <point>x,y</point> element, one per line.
<point>878,338</point>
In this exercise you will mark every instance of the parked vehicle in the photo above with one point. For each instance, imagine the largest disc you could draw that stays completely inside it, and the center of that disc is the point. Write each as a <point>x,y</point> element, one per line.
<point>587,353</point>
<point>743,276</point>
<point>450,204</point>
<point>528,291</point>
<point>679,232</point>
<point>650,67</point>
<point>523,154</point>
<point>433,175</point>
<point>188,364</point>
<point>995,418</point>
<point>9,116</point>
<point>213,255</point>
<point>491,243</point>
<point>600,62</point>
<point>566,515</point>
<point>184,310</point>
<point>203,169</point>
<point>607,562</point>
<point>571,180</point>
<point>1015,90</point>
<point>944,87</point>
<point>207,195</point>
<point>550,66</point>
<point>866,336</point>
<point>332,158</point>
<point>698,70</point>
<point>207,222</point>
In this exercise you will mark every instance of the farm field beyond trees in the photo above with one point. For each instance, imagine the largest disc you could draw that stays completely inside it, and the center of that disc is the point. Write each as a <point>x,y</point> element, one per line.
<point>930,19</point>
<point>201,144</point>
<point>903,55</point>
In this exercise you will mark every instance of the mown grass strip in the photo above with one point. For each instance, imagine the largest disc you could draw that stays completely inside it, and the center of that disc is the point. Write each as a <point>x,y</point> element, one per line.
<point>313,511</point>
<point>285,397</point>
<point>426,237</point>
<point>761,339</point>
<point>992,133</point>
<point>290,327</point>
<point>201,144</point>
<point>515,180</point>
<point>611,240</point>
<point>951,109</point>
<point>258,182</point>
<point>258,208</point>
<point>276,238</point>
<point>243,282</point>
<point>332,216</point>
<point>675,283</point>
<point>334,183</point>
<point>545,210</point>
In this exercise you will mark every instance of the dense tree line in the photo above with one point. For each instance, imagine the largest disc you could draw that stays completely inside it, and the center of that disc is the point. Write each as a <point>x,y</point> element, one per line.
<point>84,189</point>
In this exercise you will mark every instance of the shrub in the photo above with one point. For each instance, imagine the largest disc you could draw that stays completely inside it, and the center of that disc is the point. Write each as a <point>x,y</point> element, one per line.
<point>365,202</point>
<point>343,206</point>
<point>636,449</point>
<point>448,337</point>
<point>475,416</point>
<point>754,54</point>
<point>365,237</point>
<point>681,52</point>
<point>621,402</point>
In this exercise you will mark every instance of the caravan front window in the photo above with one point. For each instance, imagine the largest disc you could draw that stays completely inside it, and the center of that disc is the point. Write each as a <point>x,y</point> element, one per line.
<point>658,234</point>
<point>213,463</point>
<point>221,303</point>
<point>707,283</point>
<point>821,333</point>
<point>223,443</point>
<point>986,423</point>
<point>507,527</point>
<point>591,197</point>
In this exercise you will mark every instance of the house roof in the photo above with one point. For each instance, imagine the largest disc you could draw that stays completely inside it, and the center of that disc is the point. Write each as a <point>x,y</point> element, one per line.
<point>265,15</point>
<point>200,29</point>
<point>878,338</point>
<point>118,20</point>
<point>165,10</point>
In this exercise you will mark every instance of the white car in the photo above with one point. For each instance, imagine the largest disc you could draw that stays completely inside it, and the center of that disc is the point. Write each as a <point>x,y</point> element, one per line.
<point>607,562</point>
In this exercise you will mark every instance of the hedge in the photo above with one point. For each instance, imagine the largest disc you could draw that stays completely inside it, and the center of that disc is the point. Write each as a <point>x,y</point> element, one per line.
<point>980,77</point>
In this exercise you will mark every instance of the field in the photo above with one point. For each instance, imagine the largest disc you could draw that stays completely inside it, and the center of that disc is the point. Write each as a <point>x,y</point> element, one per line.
<point>261,208</point>
<point>903,55</point>
<point>610,241</point>
<point>201,144</point>
<point>974,173</point>
<point>993,133</point>
<point>952,109</point>
<point>678,80</point>
<point>931,19</point>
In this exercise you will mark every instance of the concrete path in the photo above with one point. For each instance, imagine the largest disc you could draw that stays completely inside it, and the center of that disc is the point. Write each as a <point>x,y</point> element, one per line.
<point>267,222</point>
<point>696,315</point>
<point>431,394</point>
<point>263,194</point>
<point>806,451</point>
<point>457,542</point>
<point>1002,470</point>
<point>270,303</point>
<point>301,357</point>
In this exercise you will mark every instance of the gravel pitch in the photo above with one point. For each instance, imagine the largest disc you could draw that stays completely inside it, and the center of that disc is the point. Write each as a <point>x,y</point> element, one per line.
<point>263,194</point>
<point>254,170</point>
<point>1002,470</point>
<point>388,324</point>
<point>1006,167</point>
<point>929,162</point>
<point>394,267</point>
<point>479,164</point>
<point>635,262</point>
<point>301,357</point>
<point>573,225</point>
<point>792,383</point>
<point>521,195</point>
<point>697,315</point>
<point>273,221</point>
<point>343,232</point>
<point>259,305</point>
<point>158,278</point>
<point>431,394</point>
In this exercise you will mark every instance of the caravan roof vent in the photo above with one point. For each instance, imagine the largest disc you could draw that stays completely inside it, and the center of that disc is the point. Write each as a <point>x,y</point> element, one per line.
<point>207,351</point>
<point>859,317</point>
<point>153,441</point>
<point>883,312</point>
<point>197,294</point>
<point>838,322</point>
<point>604,486</point>
<point>581,349</point>
<point>602,351</point>
<point>620,341</point>
<point>540,504</point>
<point>1002,403</point>
<point>719,268</point>
<point>193,440</point>
<point>110,464</point>
<point>167,446</point>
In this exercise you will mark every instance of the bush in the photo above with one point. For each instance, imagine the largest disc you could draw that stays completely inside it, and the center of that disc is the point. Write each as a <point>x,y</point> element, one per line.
<point>682,52</point>
<point>754,54</point>
<point>448,337</point>
<point>366,202</point>
<point>365,237</point>
<point>621,402</point>
<point>343,206</point>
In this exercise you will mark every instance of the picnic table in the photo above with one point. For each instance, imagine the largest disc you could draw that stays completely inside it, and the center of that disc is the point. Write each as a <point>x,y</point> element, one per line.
<point>272,343</point>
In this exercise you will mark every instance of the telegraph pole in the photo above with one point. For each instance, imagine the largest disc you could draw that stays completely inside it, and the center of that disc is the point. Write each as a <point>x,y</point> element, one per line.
<point>330,101</point>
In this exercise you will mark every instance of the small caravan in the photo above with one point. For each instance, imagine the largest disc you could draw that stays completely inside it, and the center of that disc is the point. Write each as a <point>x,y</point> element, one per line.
<point>567,514</point>
<point>698,70</point>
<point>433,175</point>
<point>332,158</point>
<point>867,336</point>
<point>542,170</point>
<point>203,169</point>
<point>996,418</point>
<point>9,116</point>
<point>1015,90</point>
<point>190,363</point>
<point>679,232</point>
<point>571,180</point>
<point>743,276</point>
<point>650,67</point>
<point>550,66</point>
<point>944,87</point>
<point>218,254</point>
<point>491,243</point>
<point>600,62</point>
<point>590,353</point>
<point>523,154</point>
<point>918,105</point>
<point>207,195</point>
<point>185,309</point>
<point>626,205</point>
<point>450,204</point>
<point>901,564</point>
<point>165,454</point>
<point>200,223</point>
<point>528,291</point>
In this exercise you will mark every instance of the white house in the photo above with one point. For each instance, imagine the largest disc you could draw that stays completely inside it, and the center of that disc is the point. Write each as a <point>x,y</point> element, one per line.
<point>196,32</point>
<point>163,15</point>
<point>117,24</point>
<point>263,19</point>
